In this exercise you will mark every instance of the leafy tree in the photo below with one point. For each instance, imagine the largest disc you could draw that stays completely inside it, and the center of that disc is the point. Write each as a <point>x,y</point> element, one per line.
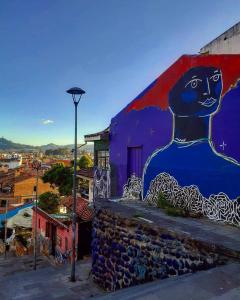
<point>49,202</point>
<point>85,162</point>
<point>61,177</point>
<point>58,151</point>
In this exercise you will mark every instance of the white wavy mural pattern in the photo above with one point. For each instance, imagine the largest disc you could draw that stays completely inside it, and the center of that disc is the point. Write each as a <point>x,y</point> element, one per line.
<point>217,207</point>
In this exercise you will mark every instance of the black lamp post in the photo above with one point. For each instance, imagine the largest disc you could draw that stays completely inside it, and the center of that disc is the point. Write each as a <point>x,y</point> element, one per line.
<point>36,165</point>
<point>76,96</point>
<point>5,229</point>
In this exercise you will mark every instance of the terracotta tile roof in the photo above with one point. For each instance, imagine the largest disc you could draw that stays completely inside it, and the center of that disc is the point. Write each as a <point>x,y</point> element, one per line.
<point>88,172</point>
<point>84,212</point>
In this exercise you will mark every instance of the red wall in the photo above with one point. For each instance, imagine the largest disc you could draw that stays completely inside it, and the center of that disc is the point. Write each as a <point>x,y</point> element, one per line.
<point>64,235</point>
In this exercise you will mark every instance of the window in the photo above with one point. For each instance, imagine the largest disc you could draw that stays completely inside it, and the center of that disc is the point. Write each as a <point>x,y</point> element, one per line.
<point>3,203</point>
<point>27,200</point>
<point>47,234</point>
<point>39,223</point>
<point>83,188</point>
<point>62,209</point>
<point>103,159</point>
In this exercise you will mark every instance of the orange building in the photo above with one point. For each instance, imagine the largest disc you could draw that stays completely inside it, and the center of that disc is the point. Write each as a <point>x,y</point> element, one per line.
<point>64,162</point>
<point>24,189</point>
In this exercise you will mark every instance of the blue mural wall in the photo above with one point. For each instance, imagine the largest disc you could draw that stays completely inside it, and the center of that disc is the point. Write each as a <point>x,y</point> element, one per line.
<point>191,157</point>
<point>185,124</point>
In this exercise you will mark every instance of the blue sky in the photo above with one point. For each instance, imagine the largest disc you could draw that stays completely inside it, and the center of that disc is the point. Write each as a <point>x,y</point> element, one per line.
<point>111,48</point>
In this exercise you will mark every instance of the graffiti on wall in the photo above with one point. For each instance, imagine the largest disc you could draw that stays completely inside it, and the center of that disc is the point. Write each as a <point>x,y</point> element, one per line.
<point>133,188</point>
<point>190,157</point>
<point>101,183</point>
<point>198,168</point>
<point>217,207</point>
<point>62,257</point>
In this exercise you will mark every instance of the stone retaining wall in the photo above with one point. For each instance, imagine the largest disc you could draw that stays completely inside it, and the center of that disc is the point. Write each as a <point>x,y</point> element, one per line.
<point>127,251</point>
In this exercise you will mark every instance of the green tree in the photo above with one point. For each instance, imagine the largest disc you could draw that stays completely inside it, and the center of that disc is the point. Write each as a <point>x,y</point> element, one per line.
<point>61,177</point>
<point>49,202</point>
<point>85,162</point>
<point>58,151</point>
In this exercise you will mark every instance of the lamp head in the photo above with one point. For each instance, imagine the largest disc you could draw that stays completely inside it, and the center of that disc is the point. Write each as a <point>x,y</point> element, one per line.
<point>76,93</point>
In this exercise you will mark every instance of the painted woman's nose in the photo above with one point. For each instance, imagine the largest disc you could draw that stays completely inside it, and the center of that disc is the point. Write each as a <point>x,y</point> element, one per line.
<point>207,88</point>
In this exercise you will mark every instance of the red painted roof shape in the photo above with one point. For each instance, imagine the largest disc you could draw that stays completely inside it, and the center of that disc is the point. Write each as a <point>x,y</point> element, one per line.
<point>157,95</point>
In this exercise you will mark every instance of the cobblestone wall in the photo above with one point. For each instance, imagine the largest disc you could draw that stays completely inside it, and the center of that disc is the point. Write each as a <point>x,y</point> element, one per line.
<point>128,252</point>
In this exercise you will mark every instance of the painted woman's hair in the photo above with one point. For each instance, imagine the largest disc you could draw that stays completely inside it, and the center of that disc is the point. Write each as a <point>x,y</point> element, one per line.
<point>157,92</point>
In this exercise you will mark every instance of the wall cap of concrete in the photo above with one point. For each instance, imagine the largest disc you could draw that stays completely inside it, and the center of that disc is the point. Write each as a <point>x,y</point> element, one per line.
<point>224,239</point>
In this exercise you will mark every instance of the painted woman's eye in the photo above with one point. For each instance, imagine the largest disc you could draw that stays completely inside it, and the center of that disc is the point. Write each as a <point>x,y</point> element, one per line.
<point>215,77</point>
<point>193,83</point>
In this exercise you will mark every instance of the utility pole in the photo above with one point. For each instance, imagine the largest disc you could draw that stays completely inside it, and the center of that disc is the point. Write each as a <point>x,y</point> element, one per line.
<point>36,166</point>
<point>5,229</point>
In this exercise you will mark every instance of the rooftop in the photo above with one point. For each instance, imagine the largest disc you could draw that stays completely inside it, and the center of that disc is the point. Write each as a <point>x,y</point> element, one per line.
<point>101,135</point>
<point>52,218</point>
<point>84,212</point>
<point>88,172</point>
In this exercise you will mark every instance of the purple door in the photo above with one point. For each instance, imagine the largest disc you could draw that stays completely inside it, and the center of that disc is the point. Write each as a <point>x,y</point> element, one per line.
<point>134,164</point>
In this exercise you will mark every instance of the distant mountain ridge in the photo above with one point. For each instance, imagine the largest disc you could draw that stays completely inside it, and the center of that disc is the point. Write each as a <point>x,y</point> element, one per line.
<point>7,145</point>
<point>50,146</point>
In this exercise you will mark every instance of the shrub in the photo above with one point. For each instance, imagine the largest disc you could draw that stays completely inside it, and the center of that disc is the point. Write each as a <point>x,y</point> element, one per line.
<point>162,201</point>
<point>49,202</point>
<point>176,212</point>
<point>170,210</point>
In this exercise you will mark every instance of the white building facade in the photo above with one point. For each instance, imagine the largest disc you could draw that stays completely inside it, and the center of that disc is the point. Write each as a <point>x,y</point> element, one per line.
<point>226,43</point>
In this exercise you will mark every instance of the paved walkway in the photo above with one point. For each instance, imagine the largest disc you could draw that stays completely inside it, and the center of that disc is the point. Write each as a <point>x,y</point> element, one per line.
<point>12,265</point>
<point>47,283</point>
<point>19,282</point>
<point>222,283</point>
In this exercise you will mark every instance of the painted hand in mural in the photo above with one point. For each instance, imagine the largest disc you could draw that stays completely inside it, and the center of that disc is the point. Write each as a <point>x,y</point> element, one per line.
<point>190,157</point>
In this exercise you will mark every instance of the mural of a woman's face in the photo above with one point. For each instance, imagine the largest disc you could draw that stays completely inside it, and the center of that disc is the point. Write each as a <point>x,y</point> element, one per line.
<point>197,92</point>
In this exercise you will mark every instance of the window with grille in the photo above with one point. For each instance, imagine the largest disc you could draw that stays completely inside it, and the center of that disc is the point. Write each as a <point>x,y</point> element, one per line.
<point>103,159</point>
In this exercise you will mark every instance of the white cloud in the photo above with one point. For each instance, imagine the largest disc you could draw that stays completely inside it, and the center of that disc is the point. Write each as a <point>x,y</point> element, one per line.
<point>46,122</point>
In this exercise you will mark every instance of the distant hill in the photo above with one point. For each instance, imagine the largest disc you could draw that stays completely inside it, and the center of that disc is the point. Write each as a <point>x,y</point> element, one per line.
<point>7,145</point>
<point>50,146</point>
<point>88,148</point>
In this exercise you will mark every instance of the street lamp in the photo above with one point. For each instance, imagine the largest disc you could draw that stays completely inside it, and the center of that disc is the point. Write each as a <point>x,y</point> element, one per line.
<point>5,229</point>
<point>36,165</point>
<point>76,96</point>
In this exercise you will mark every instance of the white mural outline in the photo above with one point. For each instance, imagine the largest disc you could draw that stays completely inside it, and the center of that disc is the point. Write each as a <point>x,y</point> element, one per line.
<point>101,183</point>
<point>132,189</point>
<point>189,143</point>
<point>217,207</point>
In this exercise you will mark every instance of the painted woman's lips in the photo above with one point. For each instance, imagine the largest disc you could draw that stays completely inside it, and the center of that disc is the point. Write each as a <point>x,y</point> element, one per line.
<point>208,102</point>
